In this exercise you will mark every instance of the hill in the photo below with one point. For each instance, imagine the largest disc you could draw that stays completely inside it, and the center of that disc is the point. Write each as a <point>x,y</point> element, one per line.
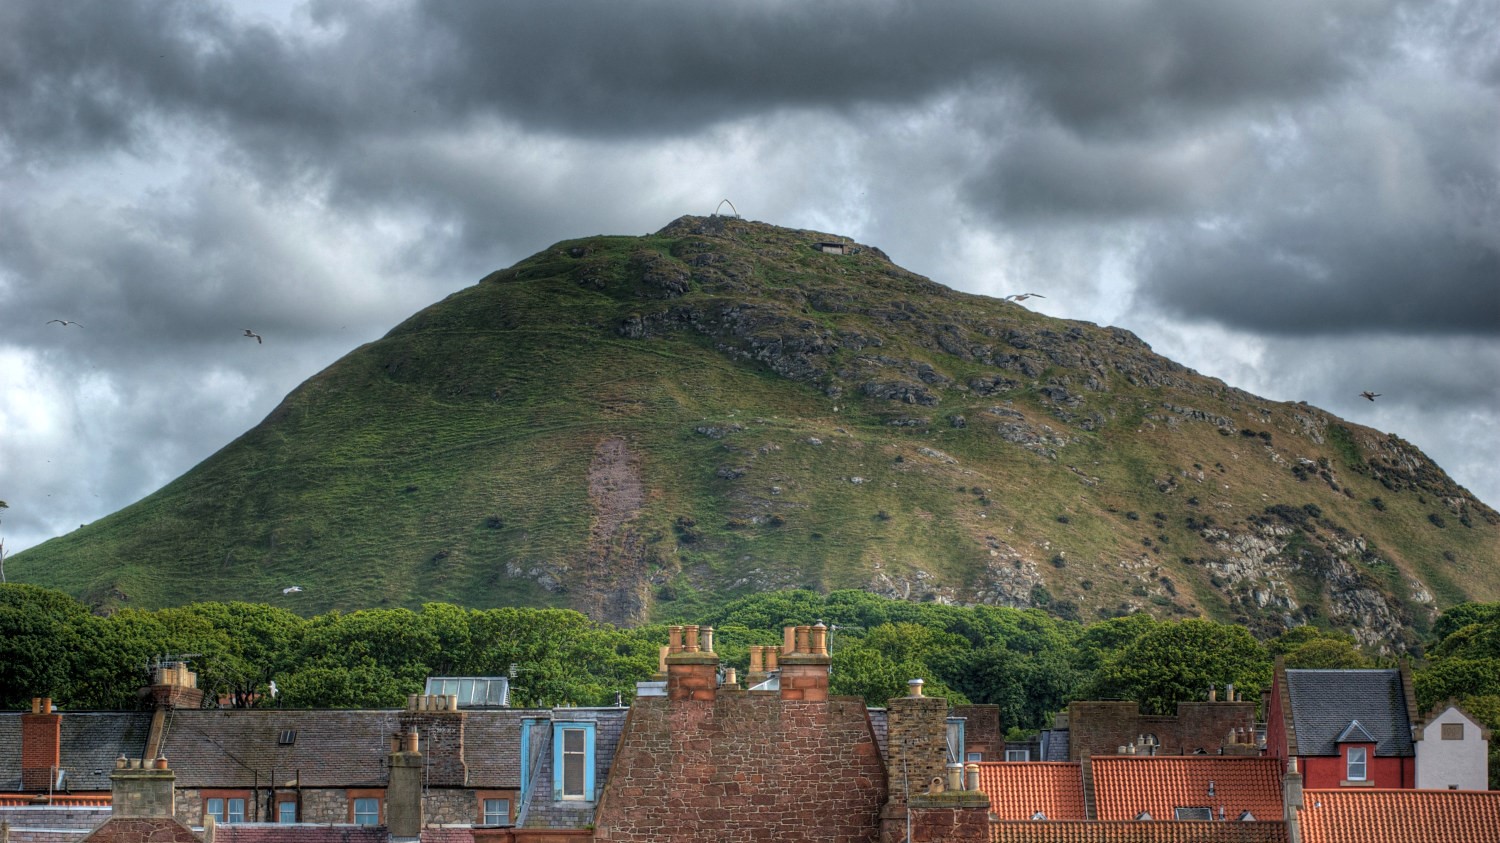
<point>632,425</point>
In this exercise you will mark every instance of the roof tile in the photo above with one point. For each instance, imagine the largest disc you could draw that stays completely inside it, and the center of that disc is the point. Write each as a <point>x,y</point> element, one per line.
<point>1400,816</point>
<point>1126,785</point>
<point>1019,789</point>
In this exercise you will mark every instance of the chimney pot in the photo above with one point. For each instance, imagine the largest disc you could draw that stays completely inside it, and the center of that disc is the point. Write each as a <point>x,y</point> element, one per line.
<point>36,705</point>
<point>1213,693</point>
<point>690,638</point>
<point>788,640</point>
<point>773,659</point>
<point>706,634</point>
<point>160,763</point>
<point>955,776</point>
<point>730,677</point>
<point>971,776</point>
<point>819,639</point>
<point>453,702</point>
<point>122,762</point>
<point>804,632</point>
<point>915,687</point>
<point>674,639</point>
<point>411,742</point>
<point>757,659</point>
<point>661,659</point>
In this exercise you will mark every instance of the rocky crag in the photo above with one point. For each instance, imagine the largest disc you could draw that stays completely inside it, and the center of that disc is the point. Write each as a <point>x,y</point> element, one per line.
<point>626,425</point>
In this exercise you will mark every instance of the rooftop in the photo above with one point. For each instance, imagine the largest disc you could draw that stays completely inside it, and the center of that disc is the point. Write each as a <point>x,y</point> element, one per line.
<point>1399,816</point>
<point>1126,785</point>
<point>1325,701</point>
<point>1019,790</point>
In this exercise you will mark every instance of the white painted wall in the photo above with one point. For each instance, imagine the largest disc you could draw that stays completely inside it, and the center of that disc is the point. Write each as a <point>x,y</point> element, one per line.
<point>1442,764</point>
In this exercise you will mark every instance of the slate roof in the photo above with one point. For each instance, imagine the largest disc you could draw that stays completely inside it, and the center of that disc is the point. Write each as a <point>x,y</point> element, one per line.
<point>33,824</point>
<point>1399,816</point>
<point>880,724</point>
<point>1324,701</point>
<point>1019,789</point>
<point>1128,831</point>
<point>332,748</point>
<point>1126,785</point>
<point>539,810</point>
<point>91,740</point>
<point>1355,732</point>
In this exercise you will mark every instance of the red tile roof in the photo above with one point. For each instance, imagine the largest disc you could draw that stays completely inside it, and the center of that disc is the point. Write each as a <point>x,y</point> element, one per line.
<point>1126,785</point>
<point>1400,816</point>
<point>1123,831</point>
<point>1019,789</point>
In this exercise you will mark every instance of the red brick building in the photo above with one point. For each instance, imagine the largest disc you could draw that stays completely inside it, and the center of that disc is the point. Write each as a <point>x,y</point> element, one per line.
<point>1346,728</point>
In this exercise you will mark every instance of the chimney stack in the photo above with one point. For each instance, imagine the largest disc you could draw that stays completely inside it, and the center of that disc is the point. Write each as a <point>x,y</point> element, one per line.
<point>804,671</point>
<point>141,791</point>
<point>41,745</point>
<point>693,670</point>
<point>403,795</point>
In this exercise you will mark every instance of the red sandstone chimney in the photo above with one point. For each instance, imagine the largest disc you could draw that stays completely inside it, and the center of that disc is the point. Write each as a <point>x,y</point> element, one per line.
<point>804,670</point>
<point>41,745</point>
<point>692,672</point>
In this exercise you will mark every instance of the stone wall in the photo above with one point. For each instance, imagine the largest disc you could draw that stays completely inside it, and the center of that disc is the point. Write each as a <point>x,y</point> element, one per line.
<point>1102,727</point>
<point>744,768</point>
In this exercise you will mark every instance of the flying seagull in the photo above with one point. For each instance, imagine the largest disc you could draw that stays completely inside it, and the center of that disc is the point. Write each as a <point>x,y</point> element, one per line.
<point>250,333</point>
<point>64,322</point>
<point>1369,395</point>
<point>1024,296</point>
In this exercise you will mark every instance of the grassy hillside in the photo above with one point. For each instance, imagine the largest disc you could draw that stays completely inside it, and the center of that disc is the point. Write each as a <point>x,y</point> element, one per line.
<point>619,424</point>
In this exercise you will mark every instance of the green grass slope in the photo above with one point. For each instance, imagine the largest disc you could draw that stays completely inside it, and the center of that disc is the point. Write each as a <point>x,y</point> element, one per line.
<point>627,425</point>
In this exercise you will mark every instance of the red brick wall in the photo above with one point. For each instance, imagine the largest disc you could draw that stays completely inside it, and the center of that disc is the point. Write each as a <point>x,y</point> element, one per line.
<point>1321,772</point>
<point>745,768</point>
<point>41,749</point>
<point>982,730</point>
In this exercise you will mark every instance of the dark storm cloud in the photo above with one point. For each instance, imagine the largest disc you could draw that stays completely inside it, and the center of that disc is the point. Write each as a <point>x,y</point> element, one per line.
<point>79,75</point>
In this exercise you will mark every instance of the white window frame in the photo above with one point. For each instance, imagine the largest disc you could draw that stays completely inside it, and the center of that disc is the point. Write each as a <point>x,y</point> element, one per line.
<point>1018,755</point>
<point>225,809</point>
<point>1362,765</point>
<point>365,802</point>
<point>282,812</point>
<point>500,815</point>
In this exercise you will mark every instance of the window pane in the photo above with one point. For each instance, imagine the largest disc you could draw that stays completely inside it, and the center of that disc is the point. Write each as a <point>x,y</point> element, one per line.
<point>572,775</point>
<point>496,811</point>
<point>236,809</point>
<point>572,740</point>
<point>215,809</point>
<point>367,811</point>
<point>286,812</point>
<point>1356,763</point>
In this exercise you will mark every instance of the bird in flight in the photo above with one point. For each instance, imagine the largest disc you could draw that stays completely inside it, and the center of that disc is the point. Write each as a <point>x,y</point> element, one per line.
<point>64,322</point>
<point>1024,296</point>
<point>1371,396</point>
<point>250,333</point>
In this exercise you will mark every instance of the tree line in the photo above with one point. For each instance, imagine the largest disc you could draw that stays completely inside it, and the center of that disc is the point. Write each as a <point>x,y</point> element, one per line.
<point>1029,663</point>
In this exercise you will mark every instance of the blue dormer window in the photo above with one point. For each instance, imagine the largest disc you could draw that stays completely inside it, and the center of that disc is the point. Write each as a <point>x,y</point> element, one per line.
<point>573,761</point>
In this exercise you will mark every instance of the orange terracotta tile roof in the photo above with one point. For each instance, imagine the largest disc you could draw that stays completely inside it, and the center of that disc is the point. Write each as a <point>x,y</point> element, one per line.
<point>1400,816</point>
<point>1122,831</point>
<point>1019,789</point>
<point>1126,785</point>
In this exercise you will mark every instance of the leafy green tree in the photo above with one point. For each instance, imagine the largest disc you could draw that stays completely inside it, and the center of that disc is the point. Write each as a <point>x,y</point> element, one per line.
<point>258,643</point>
<point>1307,647</point>
<point>38,643</point>
<point>1178,660</point>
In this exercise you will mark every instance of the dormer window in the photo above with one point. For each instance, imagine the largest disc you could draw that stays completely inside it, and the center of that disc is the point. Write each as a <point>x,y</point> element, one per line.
<point>1194,812</point>
<point>1356,764</point>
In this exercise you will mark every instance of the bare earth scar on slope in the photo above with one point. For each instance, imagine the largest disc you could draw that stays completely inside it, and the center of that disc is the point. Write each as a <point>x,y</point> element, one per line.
<point>616,571</point>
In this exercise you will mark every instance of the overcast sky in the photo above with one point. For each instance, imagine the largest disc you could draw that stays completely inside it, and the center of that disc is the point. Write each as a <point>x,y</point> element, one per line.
<point>1301,197</point>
